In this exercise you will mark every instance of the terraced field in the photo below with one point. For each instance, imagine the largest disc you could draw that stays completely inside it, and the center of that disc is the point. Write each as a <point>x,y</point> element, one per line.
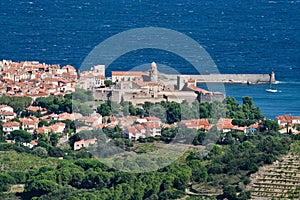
<point>281,180</point>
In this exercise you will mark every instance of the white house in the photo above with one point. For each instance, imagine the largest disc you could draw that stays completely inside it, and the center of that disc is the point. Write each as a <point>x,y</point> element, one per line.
<point>84,143</point>
<point>296,120</point>
<point>6,116</point>
<point>6,108</point>
<point>29,124</point>
<point>135,132</point>
<point>153,128</point>
<point>8,127</point>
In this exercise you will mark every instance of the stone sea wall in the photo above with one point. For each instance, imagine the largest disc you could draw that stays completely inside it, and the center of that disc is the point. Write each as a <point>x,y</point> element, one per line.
<point>238,78</point>
<point>218,78</point>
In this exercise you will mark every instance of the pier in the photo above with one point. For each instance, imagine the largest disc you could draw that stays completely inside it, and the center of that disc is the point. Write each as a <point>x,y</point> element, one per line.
<point>180,80</point>
<point>236,78</point>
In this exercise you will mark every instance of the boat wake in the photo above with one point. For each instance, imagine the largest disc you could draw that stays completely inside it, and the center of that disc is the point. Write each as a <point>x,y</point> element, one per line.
<point>287,82</point>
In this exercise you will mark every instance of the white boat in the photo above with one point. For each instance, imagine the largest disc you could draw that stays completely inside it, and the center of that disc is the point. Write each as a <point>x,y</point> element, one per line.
<point>272,90</point>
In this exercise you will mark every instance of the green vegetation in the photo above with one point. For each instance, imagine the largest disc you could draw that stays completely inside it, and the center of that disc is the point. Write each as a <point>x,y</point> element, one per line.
<point>108,83</point>
<point>243,114</point>
<point>17,103</point>
<point>20,136</point>
<point>170,112</point>
<point>221,170</point>
<point>145,148</point>
<point>55,104</point>
<point>11,162</point>
<point>226,167</point>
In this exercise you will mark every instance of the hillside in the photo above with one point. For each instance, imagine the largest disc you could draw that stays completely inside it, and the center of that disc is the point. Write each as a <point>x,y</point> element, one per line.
<point>280,180</point>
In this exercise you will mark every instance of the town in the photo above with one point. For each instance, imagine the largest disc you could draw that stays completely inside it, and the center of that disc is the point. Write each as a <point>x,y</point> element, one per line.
<point>40,81</point>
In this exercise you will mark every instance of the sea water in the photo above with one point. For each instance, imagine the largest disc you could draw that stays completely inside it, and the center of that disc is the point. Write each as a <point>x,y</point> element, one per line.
<point>240,36</point>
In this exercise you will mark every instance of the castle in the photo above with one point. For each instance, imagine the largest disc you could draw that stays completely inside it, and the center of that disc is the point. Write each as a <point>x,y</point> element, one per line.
<point>153,86</point>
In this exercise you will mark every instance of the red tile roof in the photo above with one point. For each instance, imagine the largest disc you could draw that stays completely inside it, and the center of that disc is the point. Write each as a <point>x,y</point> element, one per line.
<point>127,73</point>
<point>225,123</point>
<point>285,118</point>
<point>151,124</point>
<point>194,88</point>
<point>10,124</point>
<point>196,123</point>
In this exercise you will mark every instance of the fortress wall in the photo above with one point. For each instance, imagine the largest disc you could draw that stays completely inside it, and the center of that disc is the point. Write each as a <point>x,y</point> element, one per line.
<point>139,101</point>
<point>101,95</point>
<point>218,78</point>
<point>243,78</point>
<point>210,98</point>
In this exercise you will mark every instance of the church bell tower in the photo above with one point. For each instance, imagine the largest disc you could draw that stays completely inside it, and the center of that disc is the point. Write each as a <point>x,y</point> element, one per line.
<point>153,73</point>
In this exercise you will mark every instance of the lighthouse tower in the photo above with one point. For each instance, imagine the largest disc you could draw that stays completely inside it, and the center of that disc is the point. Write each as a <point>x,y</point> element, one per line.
<point>153,73</point>
<point>272,77</point>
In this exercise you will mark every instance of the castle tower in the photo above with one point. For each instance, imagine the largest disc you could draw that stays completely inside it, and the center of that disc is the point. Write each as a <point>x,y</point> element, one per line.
<point>153,73</point>
<point>181,81</point>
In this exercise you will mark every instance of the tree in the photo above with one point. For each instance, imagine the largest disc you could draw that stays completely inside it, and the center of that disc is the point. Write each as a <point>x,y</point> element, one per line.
<point>40,187</point>
<point>108,83</point>
<point>19,176</point>
<point>77,178</point>
<point>270,125</point>
<point>53,139</point>
<point>43,123</point>
<point>198,140</point>
<point>132,109</point>
<point>248,101</point>
<point>2,137</point>
<point>205,110</point>
<point>85,109</point>
<point>20,136</point>
<point>173,111</point>
<point>42,138</point>
<point>70,126</point>
<point>158,111</point>
<point>74,138</point>
<point>140,112</point>
<point>4,181</point>
<point>171,194</point>
<point>55,104</point>
<point>40,151</point>
<point>229,192</point>
<point>182,174</point>
<point>104,109</point>
<point>243,114</point>
<point>17,103</point>
<point>199,171</point>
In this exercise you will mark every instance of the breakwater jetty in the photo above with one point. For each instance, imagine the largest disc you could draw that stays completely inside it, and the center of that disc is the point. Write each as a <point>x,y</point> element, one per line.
<point>236,78</point>
<point>180,80</point>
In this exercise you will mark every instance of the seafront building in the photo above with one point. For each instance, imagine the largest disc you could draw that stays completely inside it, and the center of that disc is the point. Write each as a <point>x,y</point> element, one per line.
<point>34,79</point>
<point>288,123</point>
<point>152,86</point>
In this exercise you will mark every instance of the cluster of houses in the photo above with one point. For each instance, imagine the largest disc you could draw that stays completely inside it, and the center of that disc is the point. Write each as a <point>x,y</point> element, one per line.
<point>288,123</point>
<point>151,126</point>
<point>10,122</point>
<point>34,79</point>
<point>133,127</point>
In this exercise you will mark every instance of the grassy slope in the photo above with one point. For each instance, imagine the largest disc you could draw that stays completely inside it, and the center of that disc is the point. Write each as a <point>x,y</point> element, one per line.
<point>11,161</point>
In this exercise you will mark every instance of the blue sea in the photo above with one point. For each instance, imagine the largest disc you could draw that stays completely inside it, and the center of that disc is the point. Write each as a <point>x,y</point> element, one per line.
<point>240,36</point>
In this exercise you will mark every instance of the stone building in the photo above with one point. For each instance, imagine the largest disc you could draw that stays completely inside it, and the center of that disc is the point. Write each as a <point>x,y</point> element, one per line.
<point>153,86</point>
